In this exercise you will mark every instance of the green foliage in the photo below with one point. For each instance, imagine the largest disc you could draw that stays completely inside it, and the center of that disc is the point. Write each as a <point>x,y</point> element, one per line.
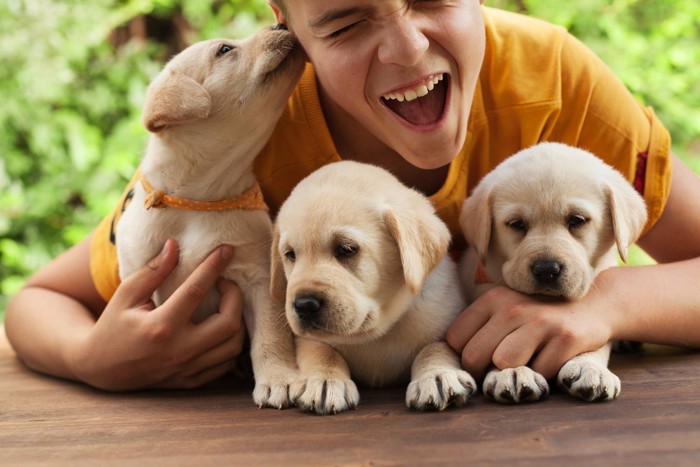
<point>651,45</point>
<point>70,130</point>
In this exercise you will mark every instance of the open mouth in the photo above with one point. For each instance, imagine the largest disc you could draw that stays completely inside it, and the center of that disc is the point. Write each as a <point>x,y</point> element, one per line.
<point>421,104</point>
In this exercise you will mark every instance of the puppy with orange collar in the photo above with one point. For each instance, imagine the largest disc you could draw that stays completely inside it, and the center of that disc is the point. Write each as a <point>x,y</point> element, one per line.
<point>210,111</point>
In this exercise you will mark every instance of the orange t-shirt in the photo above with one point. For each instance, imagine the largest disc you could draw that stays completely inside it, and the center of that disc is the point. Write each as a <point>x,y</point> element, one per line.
<point>537,83</point>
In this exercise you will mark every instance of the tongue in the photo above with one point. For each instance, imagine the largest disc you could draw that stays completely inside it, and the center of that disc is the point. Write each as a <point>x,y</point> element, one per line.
<point>423,110</point>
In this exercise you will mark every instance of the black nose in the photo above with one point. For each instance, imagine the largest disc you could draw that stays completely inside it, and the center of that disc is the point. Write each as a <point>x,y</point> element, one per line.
<point>308,306</point>
<point>546,271</point>
<point>279,27</point>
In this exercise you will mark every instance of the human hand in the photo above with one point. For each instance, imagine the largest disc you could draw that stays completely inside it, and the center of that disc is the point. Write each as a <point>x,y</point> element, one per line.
<point>509,329</point>
<point>135,344</point>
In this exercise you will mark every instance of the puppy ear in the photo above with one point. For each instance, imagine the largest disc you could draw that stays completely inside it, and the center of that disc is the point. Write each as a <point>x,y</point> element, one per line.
<point>475,221</point>
<point>628,212</point>
<point>278,281</point>
<point>174,98</point>
<point>423,240</point>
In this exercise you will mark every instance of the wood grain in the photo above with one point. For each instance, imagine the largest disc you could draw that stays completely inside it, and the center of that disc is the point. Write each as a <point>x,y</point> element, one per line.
<point>655,421</point>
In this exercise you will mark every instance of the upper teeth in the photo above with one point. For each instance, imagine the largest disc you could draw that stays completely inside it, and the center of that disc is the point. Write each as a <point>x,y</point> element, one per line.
<point>419,91</point>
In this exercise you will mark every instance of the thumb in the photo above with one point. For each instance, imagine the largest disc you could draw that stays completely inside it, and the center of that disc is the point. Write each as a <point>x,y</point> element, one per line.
<point>140,285</point>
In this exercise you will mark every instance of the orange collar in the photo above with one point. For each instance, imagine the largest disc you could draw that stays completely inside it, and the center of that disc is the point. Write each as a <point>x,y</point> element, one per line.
<point>481,276</point>
<point>249,200</point>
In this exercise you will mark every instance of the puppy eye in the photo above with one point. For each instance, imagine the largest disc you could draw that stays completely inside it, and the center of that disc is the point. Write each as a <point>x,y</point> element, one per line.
<point>224,49</point>
<point>290,255</point>
<point>576,221</point>
<point>518,225</point>
<point>345,250</point>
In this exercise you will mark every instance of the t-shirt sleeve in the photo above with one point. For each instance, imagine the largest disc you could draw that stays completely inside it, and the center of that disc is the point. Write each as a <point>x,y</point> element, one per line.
<point>599,113</point>
<point>104,266</point>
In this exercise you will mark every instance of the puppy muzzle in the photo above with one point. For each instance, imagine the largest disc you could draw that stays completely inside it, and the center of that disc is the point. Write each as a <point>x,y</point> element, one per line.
<point>309,309</point>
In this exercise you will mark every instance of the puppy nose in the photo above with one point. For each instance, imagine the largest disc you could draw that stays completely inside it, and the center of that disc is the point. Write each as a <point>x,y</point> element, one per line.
<point>308,306</point>
<point>546,271</point>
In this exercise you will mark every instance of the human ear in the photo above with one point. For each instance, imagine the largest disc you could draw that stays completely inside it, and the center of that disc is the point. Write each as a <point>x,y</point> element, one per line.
<point>277,11</point>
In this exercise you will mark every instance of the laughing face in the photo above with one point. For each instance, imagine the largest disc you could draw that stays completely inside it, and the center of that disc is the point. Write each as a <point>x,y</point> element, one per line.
<point>397,76</point>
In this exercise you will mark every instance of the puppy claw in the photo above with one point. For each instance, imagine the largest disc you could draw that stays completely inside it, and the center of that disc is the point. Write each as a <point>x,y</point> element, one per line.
<point>440,389</point>
<point>276,396</point>
<point>515,385</point>
<point>326,396</point>
<point>589,381</point>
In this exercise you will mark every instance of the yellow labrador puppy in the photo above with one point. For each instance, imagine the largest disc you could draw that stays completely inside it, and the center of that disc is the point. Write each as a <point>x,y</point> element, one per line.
<point>547,221</point>
<point>210,111</point>
<point>360,260</point>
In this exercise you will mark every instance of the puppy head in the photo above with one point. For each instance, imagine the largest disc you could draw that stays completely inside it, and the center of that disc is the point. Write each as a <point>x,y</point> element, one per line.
<point>221,77</point>
<point>352,246</point>
<point>550,217</point>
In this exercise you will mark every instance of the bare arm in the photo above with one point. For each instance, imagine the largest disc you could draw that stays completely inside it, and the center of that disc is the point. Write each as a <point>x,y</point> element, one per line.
<point>659,303</point>
<point>54,327</point>
<point>56,308</point>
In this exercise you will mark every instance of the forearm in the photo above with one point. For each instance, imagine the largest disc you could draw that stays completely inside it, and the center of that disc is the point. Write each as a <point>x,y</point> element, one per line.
<point>45,328</point>
<point>656,304</point>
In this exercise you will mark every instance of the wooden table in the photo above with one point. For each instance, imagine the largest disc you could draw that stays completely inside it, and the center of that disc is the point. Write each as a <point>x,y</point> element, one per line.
<point>656,421</point>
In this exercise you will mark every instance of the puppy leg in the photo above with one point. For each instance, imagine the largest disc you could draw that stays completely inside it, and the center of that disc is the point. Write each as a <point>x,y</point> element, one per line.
<point>515,385</point>
<point>272,351</point>
<point>587,376</point>
<point>437,379</point>
<point>324,385</point>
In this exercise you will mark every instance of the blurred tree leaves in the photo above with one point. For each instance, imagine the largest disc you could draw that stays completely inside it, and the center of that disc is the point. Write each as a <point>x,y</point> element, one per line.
<point>74,74</point>
<point>70,129</point>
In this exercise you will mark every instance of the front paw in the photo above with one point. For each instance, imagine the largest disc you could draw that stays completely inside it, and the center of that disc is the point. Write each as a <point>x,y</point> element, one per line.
<point>588,380</point>
<point>325,395</point>
<point>274,389</point>
<point>435,390</point>
<point>515,385</point>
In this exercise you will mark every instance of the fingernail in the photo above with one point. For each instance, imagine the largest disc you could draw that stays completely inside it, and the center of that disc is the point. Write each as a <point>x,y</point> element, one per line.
<point>226,251</point>
<point>166,248</point>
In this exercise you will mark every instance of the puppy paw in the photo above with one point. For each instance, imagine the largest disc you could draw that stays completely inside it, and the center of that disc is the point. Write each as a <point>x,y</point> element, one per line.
<point>515,385</point>
<point>274,393</point>
<point>440,388</point>
<point>588,380</point>
<point>325,395</point>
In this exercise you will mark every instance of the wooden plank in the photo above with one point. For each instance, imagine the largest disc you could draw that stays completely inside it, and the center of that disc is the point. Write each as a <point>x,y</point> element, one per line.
<point>655,420</point>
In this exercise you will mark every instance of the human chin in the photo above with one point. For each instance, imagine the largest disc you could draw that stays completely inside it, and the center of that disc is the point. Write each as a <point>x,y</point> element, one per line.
<point>426,155</point>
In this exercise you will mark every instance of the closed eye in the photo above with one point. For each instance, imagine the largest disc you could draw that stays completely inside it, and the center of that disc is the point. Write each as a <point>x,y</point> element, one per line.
<point>336,34</point>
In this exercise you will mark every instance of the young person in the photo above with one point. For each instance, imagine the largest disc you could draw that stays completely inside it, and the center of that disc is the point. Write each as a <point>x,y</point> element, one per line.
<point>438,92</point>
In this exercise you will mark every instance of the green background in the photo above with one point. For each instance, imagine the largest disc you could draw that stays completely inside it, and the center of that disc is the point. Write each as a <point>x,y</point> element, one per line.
<point>74,74</point>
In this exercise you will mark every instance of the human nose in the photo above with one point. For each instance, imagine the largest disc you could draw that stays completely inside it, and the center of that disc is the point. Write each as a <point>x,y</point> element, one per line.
<point>402,43</point>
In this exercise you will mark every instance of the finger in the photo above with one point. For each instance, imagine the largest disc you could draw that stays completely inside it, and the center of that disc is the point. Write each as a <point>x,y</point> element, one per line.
<point>517,348</point>
<point>196,380</point>
<point>139,286</point>
<point>465,326</point>
<point>184,301</point>
<point>476,355</point>
<point>552,357</point>
<point>224,352</point>
<point>222,326</point>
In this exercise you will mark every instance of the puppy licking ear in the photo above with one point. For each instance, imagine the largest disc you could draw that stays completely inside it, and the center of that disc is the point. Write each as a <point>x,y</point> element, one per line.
<point>422,238</point>
<point>475,220</point>
<point>174,98</point>
<point>628,212</point>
